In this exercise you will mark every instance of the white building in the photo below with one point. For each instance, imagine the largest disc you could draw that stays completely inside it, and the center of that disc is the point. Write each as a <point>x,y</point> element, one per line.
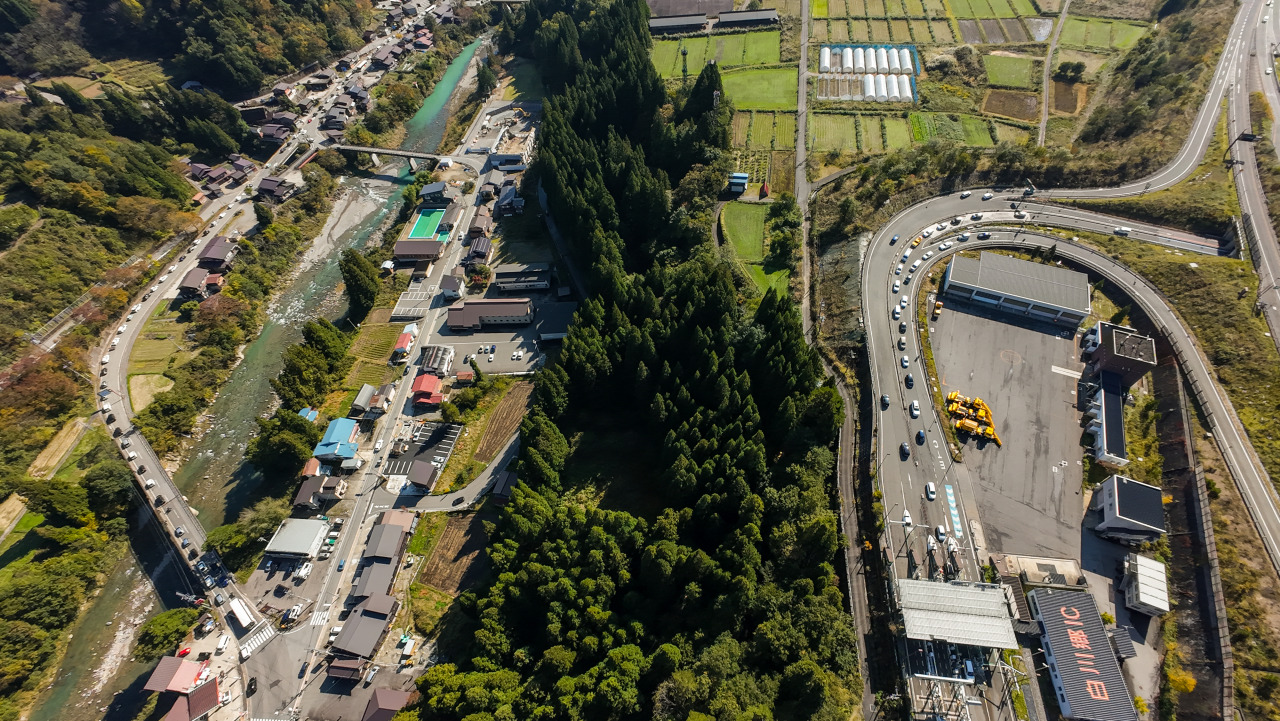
<point>1145,585</point>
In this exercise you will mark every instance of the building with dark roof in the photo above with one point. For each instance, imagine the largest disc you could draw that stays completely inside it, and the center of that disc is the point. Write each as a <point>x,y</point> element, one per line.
<point>481,312</point>
<point>678,24</point>
<point>509,201</point>
<point>1082,665</point>
<point>274,133</point>
<point>423,474</point>
<point>744,18</point>
<point>480,251</point>
<point>452,287</point>
<point>277,190</point>
<point>384,704</point>
<point>412,251</point>
<point>1120,350</point>
<point>1021,287</point>
<point>364,629</point>
<point>386,543</point>
<point>193,283</point>
<point>217,254</point>
<point>668,8</point>
<point>376,578</point>
<point>437,195</point>
<point>1132,511</point>
<point>522,276</point>
<point>1106,414</point>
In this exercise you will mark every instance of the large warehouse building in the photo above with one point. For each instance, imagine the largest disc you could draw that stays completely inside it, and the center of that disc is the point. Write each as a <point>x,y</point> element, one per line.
<point>1082,663</point>
<point>1032,290</point>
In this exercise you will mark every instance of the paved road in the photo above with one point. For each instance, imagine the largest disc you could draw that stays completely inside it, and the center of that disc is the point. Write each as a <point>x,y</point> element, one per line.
<point>1046,89</point>
<point>1253,201</point>
<point>802,191</point>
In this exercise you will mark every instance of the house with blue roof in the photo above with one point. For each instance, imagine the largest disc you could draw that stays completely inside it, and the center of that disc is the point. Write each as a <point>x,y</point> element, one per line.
<point>310,414</point>
<point>339,441</point>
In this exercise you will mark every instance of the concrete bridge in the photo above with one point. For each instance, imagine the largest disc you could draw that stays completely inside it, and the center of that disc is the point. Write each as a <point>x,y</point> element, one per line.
<point>475,162</point>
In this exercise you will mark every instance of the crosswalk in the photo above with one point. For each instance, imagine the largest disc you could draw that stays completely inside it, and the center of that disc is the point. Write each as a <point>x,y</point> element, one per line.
<point>319,618</point>
<point>253,642</point>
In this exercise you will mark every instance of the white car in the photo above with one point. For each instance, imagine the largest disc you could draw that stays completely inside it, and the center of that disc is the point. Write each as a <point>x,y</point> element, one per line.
<point>902,343</point>
<point>490,357</point>
<point>106,359</point>
<point>172,268</point>
<point>115,342</point>
<point>926,232</point>
<point>222,215</point>
<point>904,301</point>
<point>916,265</point>
<point>915,407</point>
<point>941,227</point>
<point>988,196</point>
<point>898,270</point>
<point>930,491</point>
<point>906,519</point>
<point>135,309</point>
<point>945,245</point>
<point>121,330</point>
<point>162,278</point>
<point>965,194</point>
<point>515,355</point>
<point>906,362</point>
<point>897,286</point>
<point>927,255</point>
<point>897,312</point>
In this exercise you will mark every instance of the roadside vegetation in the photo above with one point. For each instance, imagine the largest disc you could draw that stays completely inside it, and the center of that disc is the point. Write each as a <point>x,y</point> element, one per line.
<point>728,602</point>
<point>1261,122</point>
<point>161,634</point>
<point>1204,203</point>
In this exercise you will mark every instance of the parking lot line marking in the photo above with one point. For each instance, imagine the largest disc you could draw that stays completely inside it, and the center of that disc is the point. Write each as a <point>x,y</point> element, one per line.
<point>1065,372</point>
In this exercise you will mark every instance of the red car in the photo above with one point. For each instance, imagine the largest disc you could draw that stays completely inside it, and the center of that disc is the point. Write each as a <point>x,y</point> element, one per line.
<point>184,652</point>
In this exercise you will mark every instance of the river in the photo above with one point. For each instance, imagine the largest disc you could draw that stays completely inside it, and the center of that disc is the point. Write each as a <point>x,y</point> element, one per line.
<point>97,679</point>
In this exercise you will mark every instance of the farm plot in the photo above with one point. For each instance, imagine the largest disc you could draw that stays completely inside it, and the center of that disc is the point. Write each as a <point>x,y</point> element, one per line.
<point>880,31</point>
<point>666,57</point>
<point>818,33</point>
<point>784,7</point>
<point>741,124</point>
<point>782,170</point>
<point>897,132</point>
<point>968,30</point>
<point>504,421</point>
<point>1009,71</point>
<point>840,30</point>
<point>1012,104</point>
<point>761,132</point>
<point>818,8</point>
<point>976,131</point>
<point>968,129</point>
<point>1099,33</point>
<point>834,132</point>
<point>1068,97</point>
<point>459,559</point>
<point>991,28</point>
<point>731,50</point>
<point>895,8</point>
<point>1002,9</point>
<point>743,225</point>
<point>942,31</point>
<point>1006,133</point>
<point>901,30</point>
<point>762,89</point>
<point>1014,31</point>
<point>1023,7</point>
<point>915,8</point>
<point>875,9</point>
<point>836,8</point>
<point>859,31</point>
<point>872,134</point>
<point>784,131</point>
<point>920,31</point>
<point>857,8</point>
<point>762,48</point>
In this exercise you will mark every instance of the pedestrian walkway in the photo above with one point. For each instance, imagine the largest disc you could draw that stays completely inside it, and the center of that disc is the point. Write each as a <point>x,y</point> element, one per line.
<point>257,639</point>
<point>319,618</point>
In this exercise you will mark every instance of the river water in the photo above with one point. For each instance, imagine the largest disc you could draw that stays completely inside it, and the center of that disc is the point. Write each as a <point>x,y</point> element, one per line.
<point>215,477</point>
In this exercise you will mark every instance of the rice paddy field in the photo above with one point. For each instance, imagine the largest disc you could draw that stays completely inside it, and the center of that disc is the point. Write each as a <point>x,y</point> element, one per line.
<point>761,130</point>
<point>867,133</point>
<point>762,48</point>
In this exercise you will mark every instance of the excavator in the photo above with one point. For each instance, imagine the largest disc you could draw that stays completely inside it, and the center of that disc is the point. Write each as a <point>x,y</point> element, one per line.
<point>973,428</point>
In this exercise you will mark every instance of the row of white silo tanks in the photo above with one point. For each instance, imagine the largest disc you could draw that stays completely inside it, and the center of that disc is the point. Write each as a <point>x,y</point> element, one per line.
<point>890,61</point>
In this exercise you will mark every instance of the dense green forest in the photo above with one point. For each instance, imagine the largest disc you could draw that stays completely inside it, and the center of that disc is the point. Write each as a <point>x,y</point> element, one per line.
<point>229,45</point>
<point>725,603</point>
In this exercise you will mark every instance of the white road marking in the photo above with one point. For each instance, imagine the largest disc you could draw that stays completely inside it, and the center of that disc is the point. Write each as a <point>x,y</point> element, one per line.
<point>258,639</point>
<point>1065,372</point>
<point>319,618</point>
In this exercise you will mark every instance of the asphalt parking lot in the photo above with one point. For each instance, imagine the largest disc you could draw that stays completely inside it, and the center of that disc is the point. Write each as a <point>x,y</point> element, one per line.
<point>550,316</point>
<point>1028,491</point>
<point>432,442</point>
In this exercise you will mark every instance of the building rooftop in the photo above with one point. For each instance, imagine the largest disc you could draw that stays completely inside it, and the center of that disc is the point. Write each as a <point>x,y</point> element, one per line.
<point>376,578</point>
<point>974,614</point>
<point>310,487</point>
<point>203,698</point>
<point>361,633</point>
<point>521,269</point>
<point>384,542</point>
<point>406,520</point>
<point>173,674</point>
<point>469,312</point>
<point>1083,658</point>
<point>1024,279</point>
<point>1150,579</point>
<point>1128,343</point>
<point>298,537</point>
<point>194,279</point>
<point>414,248</point>
<point>1140,503</point>
<point>1112,387</point>
<point>384,704</point>
<point>748,16</point>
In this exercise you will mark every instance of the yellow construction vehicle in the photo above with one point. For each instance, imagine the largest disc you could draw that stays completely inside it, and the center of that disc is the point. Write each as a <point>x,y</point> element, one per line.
<point>973,428</point>
<point>955,397</point>
<point>937,309</point>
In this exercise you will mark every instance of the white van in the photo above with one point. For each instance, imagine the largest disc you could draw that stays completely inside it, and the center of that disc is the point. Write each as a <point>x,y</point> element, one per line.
<point>303,572</point>
<point>150,483</point>
<point>244,654</point>
<point>1123,230</point>
<point>222,642</point>
<point>377,446</point>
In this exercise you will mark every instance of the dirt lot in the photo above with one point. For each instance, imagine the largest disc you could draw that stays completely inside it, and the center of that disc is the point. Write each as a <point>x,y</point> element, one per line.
<point>459,559</point>
<point>1020,106</point>
<point>1068,97</point>
<point>504,421</point>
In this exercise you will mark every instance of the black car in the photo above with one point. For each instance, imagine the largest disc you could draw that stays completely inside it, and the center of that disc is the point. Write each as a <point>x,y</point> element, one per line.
<point>252,686</point>
<point>884,400</point>
<point>983,236</point>
<point>905,450</point>
<point>920,438</point>
<point>911,382</point>
<point>902,327</point>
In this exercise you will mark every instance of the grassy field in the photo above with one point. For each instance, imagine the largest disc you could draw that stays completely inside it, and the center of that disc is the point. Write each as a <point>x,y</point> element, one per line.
<point>897,132</point>
<point>1010,72</point>
<point>969,129</point>
<point>818,8</point>
<point>761,131</point>
<point>1010,133</point>
<point>162,343</point>
<point>143,388</point>
<point>375,342</point>
<point>51,457</point>
<point>777,279</point>
<point>760,48</point>
<point>743,224</point>
<point>762,89</point>
<point>1099,33</point>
